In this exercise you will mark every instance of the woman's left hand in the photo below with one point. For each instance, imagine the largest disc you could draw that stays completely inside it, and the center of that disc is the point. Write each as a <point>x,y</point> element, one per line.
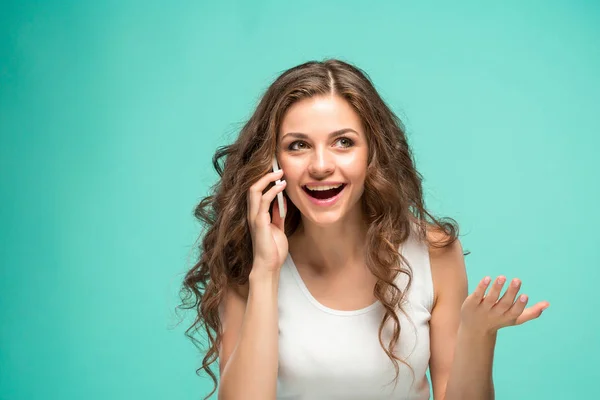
<point>486,314</point>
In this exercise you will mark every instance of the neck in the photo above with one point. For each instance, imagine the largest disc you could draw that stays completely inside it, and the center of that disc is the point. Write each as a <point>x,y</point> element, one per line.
<point>330,249</point>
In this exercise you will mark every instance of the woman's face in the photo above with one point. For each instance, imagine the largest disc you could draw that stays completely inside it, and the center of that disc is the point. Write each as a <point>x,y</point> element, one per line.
<point>322,142</point>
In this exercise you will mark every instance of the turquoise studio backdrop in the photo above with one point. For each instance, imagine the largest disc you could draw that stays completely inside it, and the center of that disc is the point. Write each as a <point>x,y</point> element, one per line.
<point>111,111</point>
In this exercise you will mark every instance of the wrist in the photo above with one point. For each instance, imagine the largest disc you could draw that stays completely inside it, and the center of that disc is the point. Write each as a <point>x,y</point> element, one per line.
<point>263,278</point>
<point>477,334</point>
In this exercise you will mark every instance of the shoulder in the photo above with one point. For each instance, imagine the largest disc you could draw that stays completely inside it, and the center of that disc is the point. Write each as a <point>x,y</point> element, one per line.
<point>438,242</point>
<point>447,263</point>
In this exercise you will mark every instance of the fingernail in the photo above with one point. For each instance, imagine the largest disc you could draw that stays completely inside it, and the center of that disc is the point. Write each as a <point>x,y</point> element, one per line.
<point>486,280</point>
<point>523,298</point>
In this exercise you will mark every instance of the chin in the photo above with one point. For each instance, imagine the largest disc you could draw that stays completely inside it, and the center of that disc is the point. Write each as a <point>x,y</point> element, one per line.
<point>325,219</point>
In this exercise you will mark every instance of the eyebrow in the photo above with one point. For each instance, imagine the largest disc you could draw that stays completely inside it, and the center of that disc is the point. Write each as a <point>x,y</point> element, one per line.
<point>299,135</point>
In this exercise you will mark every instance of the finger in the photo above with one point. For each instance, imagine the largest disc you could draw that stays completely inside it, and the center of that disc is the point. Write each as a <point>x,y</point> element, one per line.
<point>269,196</point>
<point>507,300</point>
<point>479,291</point>
<point>255,192</point>
<point>492,297</point>
<point>531,312</point>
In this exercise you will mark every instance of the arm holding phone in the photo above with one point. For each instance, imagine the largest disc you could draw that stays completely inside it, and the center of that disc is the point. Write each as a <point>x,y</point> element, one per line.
<point>249,370</point>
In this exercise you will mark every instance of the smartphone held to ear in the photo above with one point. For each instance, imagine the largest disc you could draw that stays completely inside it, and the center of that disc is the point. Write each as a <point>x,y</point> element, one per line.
<point>280,194</point>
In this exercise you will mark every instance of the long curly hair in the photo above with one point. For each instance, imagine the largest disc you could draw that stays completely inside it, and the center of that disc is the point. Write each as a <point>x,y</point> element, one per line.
<point>392,200</point>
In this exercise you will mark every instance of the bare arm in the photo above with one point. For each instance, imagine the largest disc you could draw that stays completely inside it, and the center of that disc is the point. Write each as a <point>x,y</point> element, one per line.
<point>250,349</point>
<point>461,360</point>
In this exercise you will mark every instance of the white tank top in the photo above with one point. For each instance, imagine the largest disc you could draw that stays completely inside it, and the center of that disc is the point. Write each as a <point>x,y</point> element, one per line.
<point>332,354</point>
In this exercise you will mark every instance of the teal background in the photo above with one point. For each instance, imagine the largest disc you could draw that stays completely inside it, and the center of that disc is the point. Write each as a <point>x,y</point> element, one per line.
<point>110,114</point>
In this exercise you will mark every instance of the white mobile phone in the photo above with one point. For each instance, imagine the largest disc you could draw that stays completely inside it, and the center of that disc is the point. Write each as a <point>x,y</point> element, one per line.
<point>280,194</point>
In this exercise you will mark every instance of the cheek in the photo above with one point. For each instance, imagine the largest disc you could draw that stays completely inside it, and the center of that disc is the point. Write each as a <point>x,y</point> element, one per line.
<point>356,158</point>
<point>356,168</point>
<point>292,169</point>
<point>290,174</point>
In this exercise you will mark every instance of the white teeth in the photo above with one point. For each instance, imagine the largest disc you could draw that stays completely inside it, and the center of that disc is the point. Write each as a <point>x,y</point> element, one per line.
<point>320,188</point>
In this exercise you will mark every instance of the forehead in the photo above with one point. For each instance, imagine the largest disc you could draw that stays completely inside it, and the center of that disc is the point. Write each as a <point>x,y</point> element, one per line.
<point>320,116</point>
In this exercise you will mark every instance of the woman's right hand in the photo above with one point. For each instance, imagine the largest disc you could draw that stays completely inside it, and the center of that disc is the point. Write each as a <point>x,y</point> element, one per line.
<point>269,242</point>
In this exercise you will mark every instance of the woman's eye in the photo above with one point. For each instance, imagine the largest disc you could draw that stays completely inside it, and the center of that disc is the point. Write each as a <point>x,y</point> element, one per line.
<point>291,146</point>
<point>350,142</point>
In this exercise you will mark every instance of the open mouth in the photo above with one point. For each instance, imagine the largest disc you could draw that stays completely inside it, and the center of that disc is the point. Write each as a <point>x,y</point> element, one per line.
<point>324,194</point>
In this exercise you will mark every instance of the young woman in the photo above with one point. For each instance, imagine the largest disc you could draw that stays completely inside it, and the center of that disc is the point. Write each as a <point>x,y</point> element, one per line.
<point>358,289</point>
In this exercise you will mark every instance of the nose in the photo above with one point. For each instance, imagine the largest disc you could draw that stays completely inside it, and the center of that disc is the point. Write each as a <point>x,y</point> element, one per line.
<point>321,164</point>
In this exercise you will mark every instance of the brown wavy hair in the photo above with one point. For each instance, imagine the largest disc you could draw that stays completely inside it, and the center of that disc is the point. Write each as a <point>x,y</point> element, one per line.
<point>392,200</point>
